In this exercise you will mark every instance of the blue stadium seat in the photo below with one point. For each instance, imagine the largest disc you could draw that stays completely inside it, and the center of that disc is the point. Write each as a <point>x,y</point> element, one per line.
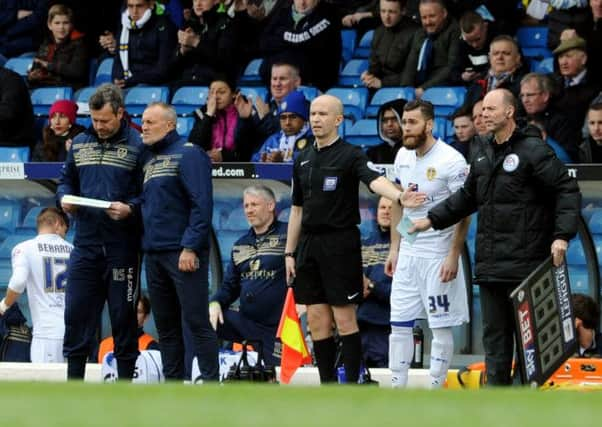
<point>189,98</point>
<point>368,224</point>
<point>441,128</point>
<point>14,154</point>
<point>221,210</point>
<point>354,100</point>
<point>237,221</point>
<point>44,97</point>
<point>545,66</point>
<point>137,98</point>
<point>284,214</point>
<point>9,243</point>
<point>349,39</point>
<point>351,72</point>
<point>579,279</point>
<point>446,99</point>
<point>31,217</point>
<point>184,126</point>
<point>595,222</point>
<point>10,214</point>
<point>597,238</point>
<point>104,72</point>
<point>19,65</point>
<point>345,126</point>
<point>310,92</point>
<point>252,92</point>
<point>533,42</point>
<point>251,74</point>
<point>85,121</point>
<point>226,239</point>
<point>363,48</point>
<point>363,133</point>
<point>386,94</point>
<point>83,95</point>
<point>575,254</point>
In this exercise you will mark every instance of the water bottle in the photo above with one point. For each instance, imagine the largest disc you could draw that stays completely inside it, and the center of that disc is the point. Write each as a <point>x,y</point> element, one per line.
<point>417,361</point>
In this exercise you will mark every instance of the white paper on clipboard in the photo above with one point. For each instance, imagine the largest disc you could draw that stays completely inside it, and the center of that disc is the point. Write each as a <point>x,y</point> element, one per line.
<point>85,201</point>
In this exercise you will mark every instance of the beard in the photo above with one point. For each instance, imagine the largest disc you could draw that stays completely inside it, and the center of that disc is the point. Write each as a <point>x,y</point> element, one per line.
<point>414,142</point>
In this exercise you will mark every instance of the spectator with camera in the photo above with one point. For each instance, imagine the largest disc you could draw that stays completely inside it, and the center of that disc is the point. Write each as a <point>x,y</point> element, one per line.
<point>256,276</point>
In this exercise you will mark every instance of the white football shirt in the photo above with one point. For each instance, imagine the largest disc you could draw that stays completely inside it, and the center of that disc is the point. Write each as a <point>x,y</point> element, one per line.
<point>439,173</point>
<point>39,265</point>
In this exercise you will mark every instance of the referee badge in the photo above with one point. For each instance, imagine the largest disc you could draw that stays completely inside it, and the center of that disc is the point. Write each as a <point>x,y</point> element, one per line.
<point>301,143</point>
<point>330,183</point>
<point>431,173</point>
<point>510,162</point>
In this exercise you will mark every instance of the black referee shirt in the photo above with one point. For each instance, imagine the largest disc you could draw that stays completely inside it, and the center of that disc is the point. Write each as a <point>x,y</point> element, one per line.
<point>326,185</point>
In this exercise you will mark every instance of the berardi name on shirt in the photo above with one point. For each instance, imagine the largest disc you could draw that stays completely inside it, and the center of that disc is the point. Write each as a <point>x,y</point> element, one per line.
<point>55,249</point>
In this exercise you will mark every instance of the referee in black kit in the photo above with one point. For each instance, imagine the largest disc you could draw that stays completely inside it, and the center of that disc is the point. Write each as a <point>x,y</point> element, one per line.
<point>323,248</point>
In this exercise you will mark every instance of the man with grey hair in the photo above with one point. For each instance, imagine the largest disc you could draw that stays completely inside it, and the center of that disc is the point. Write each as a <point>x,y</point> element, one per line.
<point>256,275</point>
<point>105,263</point>
<point>177,204</point>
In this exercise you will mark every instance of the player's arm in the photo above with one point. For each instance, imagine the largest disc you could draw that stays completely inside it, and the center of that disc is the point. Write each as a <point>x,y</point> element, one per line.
<point>391,263</point>
<point>449,269</point>
<point>292,239</point>
<point>18,280</point>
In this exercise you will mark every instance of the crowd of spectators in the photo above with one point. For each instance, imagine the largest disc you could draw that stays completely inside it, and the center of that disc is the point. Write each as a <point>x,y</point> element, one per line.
<point>416,43</point>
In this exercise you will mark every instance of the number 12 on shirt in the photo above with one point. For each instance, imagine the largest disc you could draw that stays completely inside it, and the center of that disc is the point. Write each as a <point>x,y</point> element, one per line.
<point>55,274</point>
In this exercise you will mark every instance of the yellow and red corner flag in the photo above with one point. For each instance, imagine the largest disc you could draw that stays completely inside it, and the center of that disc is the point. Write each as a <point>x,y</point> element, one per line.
<point>294,349</point>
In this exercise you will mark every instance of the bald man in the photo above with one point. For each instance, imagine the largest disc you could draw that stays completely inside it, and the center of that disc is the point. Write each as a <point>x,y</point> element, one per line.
<point>323,248</point>
<point>528,207</point>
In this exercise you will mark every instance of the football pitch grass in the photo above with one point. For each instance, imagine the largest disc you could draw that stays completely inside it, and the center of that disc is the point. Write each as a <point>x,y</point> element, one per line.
<point>107,405</point>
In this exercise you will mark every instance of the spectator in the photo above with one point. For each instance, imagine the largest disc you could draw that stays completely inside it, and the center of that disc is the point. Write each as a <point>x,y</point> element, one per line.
<point>390,46</point>
<point>255,276</point>
<point>176,242</point>
<point>259,118</point>
<point>560,152</point>
<point>145,341</point>
<point>146,44</point>
<point>434,48</point>
<point>388,123</point>
<point>207,46</point>
<point>58,135</point>
<point>579,86</point>
<point>373,314</point>
<point>217,127</point>
<point>21,24</point>
<point>464,131</point>
<point>38,266</point>
<point>477,118</point>
<point>565,14</point>
<point>473,60</point>
<point>307,35</point>
<point>587,326</point>
<point>62,59</point>
<point>590,150</point>
<point>16,111</point>
<point>536,93</point>
<point>505,69</point>
<point>294,135</point>
<point>360,15</point>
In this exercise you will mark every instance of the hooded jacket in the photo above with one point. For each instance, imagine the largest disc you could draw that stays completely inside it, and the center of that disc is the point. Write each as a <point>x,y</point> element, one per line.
<point>525,199</point>
<point>386,152</point>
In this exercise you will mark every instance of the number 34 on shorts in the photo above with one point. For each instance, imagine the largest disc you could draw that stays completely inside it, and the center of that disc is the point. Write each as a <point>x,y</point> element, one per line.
<point>438,302</point>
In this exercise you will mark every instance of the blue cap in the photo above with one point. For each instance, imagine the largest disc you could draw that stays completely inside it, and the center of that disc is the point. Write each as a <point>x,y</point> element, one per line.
<point>296,103</point>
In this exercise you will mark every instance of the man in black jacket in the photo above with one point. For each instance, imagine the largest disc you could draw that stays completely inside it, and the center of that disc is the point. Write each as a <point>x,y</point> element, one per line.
<point>388,123</point>
<point>528,207</point>
<point>16,112</point>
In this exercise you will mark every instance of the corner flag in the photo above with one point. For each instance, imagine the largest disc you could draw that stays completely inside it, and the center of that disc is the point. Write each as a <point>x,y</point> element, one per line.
<point>294,349</point>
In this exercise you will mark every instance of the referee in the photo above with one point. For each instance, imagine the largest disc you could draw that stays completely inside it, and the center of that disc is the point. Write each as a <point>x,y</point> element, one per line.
<point>323,248</point>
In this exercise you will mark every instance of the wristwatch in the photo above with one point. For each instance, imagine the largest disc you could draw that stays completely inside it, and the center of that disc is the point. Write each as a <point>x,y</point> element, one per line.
<point>289,254</point>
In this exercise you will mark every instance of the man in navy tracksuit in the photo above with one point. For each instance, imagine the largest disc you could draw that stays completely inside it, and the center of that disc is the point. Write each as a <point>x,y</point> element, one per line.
<point>373,314</point>
<point>104,264</point>
<point>256,275</point>
<point>177,203</point>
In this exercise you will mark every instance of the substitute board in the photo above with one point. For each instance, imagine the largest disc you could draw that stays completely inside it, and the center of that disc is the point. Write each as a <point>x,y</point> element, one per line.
<point>544,322</point>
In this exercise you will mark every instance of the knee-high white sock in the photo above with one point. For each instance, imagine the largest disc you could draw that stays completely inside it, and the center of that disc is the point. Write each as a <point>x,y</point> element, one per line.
<point>442,350</point>
<point>401,349</point>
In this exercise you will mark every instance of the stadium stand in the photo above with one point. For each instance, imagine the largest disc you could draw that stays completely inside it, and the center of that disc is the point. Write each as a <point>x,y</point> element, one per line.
<point>103,72</point>
<point>14,154</point>
<point>349,39</point>
<point>189,98</point>
<point>184,126</point>
<point>363,48</point>
<point>19,65</point>
<point>351,73</point>
<point>137,98</point>
<point>252,92</point>
<point>363,133</point>
<point>533,42</point>
<point>446,99</point>
<point>354,100</point>
<point>44,97</point>
<point>310,92</point>
<point>387,94</point>
<point>251,76</point>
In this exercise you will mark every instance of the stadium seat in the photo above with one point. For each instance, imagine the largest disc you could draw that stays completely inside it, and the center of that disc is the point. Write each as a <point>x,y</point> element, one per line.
<point>349,39</point>
<point>310,92</point>
<point>226,239</point>
<point>184,126</point>
<point>368,224</point>
<point>354,100</point>
<point>386,94</point>
<point>579,279</point>
<point>44,97</point>
<point>104,72</point>
<point>19,65</point>
<point>441,127</point>
<point>597,238</point>
<point>363,48</point>
<point>284,214</point>
<point>137,98</point>
<point>9,243</point>
<point>345,126</point>
<point>237,220</point>
<point>189,98</point>
<point>545,66</point>
<point>252,92</point>
<point>595,222</point>
<point>31,217</point>
<point>351,72</point>
<point>81,97</point>
<point>85,121</point>
<point>533,42</point>
<point>251,74</point>
<point>14,154</point>
<point>446,99</point>
<point>10,214</point>
<point>575,254</point>
<point>363,133</point>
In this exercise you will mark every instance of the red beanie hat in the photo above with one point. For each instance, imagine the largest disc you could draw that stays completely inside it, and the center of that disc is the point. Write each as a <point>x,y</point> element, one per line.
<point>66,107</point>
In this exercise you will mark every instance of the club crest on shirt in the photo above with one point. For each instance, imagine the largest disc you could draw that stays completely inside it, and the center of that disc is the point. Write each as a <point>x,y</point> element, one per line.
<point>330,183</point>
<point>122,152</point>
<point>431,173</point>
<point>254,264</point>
<point>166,162</point>
<point>510,162</point>
<point>301,143</point>
<point>273,241</point>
